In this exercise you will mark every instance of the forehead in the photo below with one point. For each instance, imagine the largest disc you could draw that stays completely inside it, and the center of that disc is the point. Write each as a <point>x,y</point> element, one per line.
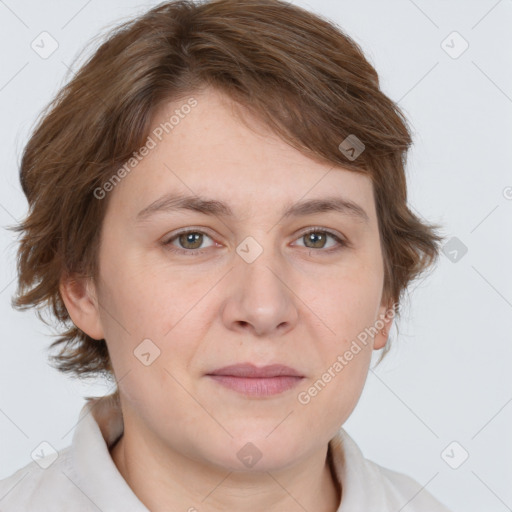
<point>206,150</point>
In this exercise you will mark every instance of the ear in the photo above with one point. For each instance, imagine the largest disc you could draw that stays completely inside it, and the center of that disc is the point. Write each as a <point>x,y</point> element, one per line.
<point>385,316</point>
<point>80,299</point>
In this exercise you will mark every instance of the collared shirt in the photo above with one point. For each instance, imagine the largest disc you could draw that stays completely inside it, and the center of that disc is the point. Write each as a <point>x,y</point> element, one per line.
<point>84,478</point>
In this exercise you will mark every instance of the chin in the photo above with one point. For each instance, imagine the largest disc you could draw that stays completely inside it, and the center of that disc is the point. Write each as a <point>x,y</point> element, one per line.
<point>253,450</point>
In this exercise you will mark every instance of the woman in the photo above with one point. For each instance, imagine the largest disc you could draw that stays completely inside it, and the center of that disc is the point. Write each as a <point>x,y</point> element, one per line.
<point>218,214</point>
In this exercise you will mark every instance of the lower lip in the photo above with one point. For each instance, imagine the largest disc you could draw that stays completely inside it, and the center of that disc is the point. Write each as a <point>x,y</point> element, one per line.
<point>253,386</point>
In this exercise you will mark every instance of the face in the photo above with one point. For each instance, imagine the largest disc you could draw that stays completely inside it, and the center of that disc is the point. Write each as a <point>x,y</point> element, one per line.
<point>247,284</point>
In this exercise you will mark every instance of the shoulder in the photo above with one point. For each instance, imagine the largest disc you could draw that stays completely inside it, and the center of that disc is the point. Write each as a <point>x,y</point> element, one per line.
<point>373,488</point>
<point>405,492</point>
<point>43,486</point>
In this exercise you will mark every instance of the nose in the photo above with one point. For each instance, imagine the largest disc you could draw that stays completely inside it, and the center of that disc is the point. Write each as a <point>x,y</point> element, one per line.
<point>260,300</point>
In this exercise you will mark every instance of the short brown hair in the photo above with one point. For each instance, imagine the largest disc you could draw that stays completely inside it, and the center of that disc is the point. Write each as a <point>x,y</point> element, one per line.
<point>306,79</point>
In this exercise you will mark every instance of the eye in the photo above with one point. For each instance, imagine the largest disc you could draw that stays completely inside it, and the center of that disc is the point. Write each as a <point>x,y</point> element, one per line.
<point>317,237</point>
<point>190,241</point>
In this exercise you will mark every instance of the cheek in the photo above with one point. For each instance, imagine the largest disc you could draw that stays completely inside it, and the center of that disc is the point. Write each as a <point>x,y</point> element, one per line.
<point>138,300</point>
<point>336,388</point>
<point>146,318</point>
<point>347,305</point>
<point>347,309</point>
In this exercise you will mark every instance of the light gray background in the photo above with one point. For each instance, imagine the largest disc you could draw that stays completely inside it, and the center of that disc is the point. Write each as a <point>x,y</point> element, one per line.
<point>448,377</point>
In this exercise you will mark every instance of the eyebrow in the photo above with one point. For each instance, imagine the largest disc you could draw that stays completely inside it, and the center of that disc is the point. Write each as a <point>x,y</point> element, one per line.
<point>174,202</point>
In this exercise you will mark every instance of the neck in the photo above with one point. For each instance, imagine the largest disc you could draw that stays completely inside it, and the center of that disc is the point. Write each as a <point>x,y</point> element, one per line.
<point>176,482</point>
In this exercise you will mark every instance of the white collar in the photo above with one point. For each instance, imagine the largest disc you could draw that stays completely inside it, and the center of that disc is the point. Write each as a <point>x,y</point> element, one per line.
<point>100,423</point>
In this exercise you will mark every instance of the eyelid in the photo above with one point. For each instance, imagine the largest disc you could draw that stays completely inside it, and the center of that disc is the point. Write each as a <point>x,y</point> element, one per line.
<point>189,229</point>
<point>314,229</point>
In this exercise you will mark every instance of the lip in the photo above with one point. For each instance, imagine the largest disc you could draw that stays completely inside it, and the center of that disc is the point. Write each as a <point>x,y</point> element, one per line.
<point>250,370</point>
<point>251,380</point>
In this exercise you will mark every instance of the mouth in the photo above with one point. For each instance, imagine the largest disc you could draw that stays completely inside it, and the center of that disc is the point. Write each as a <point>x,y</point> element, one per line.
<point>254,381</point>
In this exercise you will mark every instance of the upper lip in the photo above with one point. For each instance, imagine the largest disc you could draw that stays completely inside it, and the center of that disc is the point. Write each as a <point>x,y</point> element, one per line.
<point>250,370</point>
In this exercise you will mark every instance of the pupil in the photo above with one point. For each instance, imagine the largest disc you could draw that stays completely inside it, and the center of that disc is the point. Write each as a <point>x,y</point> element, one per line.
<point>318,237</point>
<point>191,238</point>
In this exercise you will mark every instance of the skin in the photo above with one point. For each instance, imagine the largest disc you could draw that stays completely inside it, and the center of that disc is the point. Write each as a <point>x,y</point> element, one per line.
<point>295,304</point>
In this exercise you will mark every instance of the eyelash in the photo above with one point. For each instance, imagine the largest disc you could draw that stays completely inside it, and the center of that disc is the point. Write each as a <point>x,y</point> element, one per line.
<point>197,252</point>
